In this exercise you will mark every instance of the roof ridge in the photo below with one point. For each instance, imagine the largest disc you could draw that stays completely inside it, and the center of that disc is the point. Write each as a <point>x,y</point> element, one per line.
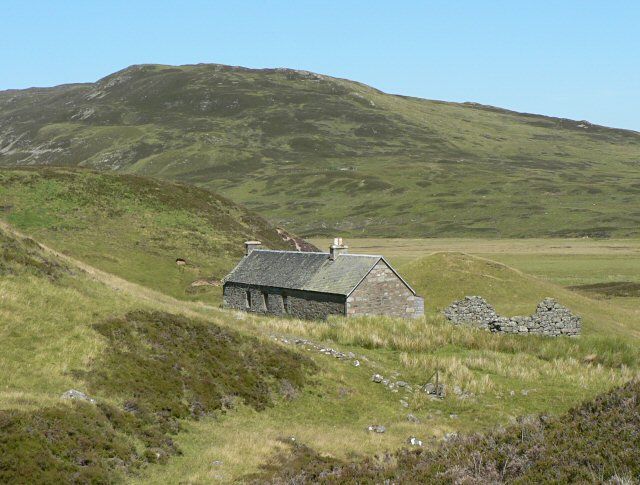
<point>314,252</point>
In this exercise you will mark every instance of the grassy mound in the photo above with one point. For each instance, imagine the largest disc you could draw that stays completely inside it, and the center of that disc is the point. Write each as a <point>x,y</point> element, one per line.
<point>321,155</point>
<point>595,442</point>
<point>134,227</point>
<point>442,278</point>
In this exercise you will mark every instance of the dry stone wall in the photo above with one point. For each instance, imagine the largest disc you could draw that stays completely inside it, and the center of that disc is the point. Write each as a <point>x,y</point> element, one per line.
<point>550,319</point>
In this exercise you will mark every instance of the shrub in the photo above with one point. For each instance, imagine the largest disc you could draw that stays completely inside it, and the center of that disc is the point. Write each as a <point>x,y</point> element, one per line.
<point>176,367</point>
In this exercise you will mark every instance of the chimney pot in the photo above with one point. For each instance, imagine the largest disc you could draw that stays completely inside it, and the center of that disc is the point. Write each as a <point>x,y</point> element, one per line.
<point>249,246</point>
<point>337,248</point>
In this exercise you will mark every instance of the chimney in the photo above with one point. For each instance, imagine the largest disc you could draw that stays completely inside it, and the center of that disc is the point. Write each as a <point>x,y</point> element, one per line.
<point>250,246</point>
<point>337,248</point>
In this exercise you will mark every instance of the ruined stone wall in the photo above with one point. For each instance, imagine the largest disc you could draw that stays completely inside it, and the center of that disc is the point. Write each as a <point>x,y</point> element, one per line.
<point>383,293</point>
<point>276,301</point>
<point>550,319</point>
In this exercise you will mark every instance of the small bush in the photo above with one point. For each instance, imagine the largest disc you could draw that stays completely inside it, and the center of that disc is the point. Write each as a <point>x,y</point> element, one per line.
<point>79,443</point>
<point>179,368</point>
<point>25,256</point>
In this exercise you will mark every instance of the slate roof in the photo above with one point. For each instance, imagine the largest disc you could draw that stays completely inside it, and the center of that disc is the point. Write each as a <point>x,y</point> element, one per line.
<point>305,271</point>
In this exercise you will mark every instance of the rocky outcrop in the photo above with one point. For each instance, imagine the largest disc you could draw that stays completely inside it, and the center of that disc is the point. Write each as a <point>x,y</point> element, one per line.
<point>550,319</point>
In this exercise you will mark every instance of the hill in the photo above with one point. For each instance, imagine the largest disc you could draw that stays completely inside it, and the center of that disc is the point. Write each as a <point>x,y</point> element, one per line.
<point>135,227</point>
<point>322,155</point>
<point>444,277</point>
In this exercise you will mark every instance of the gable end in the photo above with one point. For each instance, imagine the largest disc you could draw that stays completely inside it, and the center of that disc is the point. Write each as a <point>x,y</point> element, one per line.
<point>392,270</point>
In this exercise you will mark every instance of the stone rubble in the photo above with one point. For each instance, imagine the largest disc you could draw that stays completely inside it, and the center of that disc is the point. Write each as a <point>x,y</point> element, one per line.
<point>309,345</point>
<point>377,428</point>
<point>393,383</point>
<point>550,318</point>
<point>430,388</point>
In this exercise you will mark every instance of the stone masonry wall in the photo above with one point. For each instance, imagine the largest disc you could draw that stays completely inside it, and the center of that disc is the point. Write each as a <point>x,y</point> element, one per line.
<point>550,319</point>
<point>383,293</point>
<point>275,301</point>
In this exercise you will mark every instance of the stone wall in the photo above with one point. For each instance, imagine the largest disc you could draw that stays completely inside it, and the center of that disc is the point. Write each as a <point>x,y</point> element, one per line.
<point>382,292</point>
<point>550,319</point>
<point>276,301</point>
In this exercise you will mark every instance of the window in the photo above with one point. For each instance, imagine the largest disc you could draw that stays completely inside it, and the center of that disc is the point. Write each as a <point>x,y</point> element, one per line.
<point>265,300</point>
<point>285,302</point>
<point>247,300</point>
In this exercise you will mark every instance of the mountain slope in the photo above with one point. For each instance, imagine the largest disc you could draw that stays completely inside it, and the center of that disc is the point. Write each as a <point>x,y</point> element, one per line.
<point>320,154</point>
<point>135,227</point>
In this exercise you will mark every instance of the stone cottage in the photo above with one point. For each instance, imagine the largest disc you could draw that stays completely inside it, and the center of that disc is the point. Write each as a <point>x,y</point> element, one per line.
<point>314,285</point>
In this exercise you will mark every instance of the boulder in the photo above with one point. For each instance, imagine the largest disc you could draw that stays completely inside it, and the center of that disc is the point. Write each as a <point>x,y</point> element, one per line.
<point>77,396</point>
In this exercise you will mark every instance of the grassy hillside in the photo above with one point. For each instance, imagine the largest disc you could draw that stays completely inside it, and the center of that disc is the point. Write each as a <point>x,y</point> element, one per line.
<point>181,387</point>
<point>323,155</point>
<point>133,226</point>
<point>62,328</point>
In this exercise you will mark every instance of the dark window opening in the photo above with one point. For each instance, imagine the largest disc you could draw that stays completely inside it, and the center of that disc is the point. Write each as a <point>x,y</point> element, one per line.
<point>265,300</point>
<point>247,300</point>
<point>285,302</point>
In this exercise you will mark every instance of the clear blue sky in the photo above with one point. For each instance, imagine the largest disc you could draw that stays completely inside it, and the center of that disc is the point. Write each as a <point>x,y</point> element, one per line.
<point>576,59</point>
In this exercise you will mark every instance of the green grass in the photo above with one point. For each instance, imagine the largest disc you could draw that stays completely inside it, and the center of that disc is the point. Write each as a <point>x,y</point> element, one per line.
<point>65,325</point>
<point>595,442</point>
<point>134,227</point>
<point>323,155</point>
<point>62,329</point>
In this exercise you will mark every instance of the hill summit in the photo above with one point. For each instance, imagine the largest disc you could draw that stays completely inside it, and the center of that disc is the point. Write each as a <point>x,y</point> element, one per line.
<point>320,154</point>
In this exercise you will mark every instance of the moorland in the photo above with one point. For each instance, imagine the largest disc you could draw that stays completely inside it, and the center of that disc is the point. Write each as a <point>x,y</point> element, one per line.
<point>318,154</point>
<point>182,386</point>
<point>125,201</point>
